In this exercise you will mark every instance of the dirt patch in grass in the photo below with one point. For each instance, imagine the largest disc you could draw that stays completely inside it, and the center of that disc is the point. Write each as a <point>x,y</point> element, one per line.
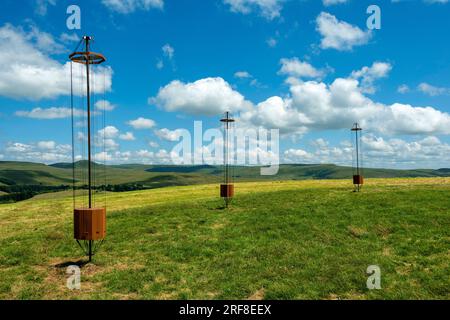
<point>258,295</point>
<point>356,231</point>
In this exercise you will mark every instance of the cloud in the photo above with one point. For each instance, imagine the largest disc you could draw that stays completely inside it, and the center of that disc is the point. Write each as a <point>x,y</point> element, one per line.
<point>436,1</point>
<point>309,106</point>
<point>168,135</point>
<point>44,41</point>
<point>333,2</point>
<point>42,151</point>
<point>209,96</point>
<point>104,105</point>
<point>368,75</point>
<point>427,152</point>
<point>159,64</point>
<point>403,89</point>
<point>276,113</point>
<point>25,65</point>
<point>272,42</point>
<point>168,55</point>
<point>42,6</point>
<point>142,123</point>
<point>108,144</point>
<point>339,35</point>
<point>242,75</point>
<point>153,144</point>
<point>129,136</point>
<point>316,105</point>
<point>49,113</point>
<point>68,38</point>
<point>168,51</point>
<point>432,90</point>
<point>105,138</point>
<point>246,76</point>
<point>425,1</point>
<point>269,9</point>
<point>397,152</point>
<point>141,156</point>
<point>160,157</point>
<point>295,68</point>
<point>322,153</point>
<point>109,132</point>
<point>130,6</point>
<point>103,156</point>
<point>51,152</point>
<point>46,145</point>
<point>298,156</point>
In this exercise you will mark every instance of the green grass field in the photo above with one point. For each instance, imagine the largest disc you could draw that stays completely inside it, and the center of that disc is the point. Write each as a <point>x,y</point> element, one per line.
<point>279,240</point>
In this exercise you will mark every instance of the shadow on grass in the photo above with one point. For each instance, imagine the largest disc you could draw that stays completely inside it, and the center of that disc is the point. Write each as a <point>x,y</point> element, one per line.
<point>79,263</point>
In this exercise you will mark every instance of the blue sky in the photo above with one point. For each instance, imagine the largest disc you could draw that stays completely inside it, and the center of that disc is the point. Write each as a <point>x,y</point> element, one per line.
<point>308,68</point>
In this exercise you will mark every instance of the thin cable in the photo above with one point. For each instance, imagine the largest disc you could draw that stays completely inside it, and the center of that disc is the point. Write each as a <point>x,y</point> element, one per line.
<point>73,133</point>
<point>104,141</point>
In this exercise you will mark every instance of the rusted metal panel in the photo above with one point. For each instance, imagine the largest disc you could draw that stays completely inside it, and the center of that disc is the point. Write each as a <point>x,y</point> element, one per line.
<point>227,190</point>
<point>90,224</point>
<point>358,179</point>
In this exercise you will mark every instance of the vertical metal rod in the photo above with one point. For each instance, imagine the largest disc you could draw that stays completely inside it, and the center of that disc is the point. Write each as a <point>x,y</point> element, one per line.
<point>89,127</point>
<point>226,155</point>
<point>358,171</point>
<point>357,151</point>
<point>88,88</point>
<point>226,150</point>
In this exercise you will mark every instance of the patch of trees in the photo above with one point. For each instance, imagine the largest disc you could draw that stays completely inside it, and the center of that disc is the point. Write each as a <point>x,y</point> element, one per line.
<point>16,196</point>
<point>123,187</point>
<point>17,193</point>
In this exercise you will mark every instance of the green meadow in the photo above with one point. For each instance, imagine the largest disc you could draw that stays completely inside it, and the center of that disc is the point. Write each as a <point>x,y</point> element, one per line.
<point>278,240</point>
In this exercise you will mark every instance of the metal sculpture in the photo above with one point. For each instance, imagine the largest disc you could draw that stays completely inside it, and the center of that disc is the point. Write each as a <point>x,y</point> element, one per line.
<point>358,179</point>
<point>227,187</point>
<point>89,218</point>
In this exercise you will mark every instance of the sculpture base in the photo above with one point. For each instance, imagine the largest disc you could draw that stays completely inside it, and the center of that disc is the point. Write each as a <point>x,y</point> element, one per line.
<point>227,190</point>
<point>90,224</point>
<point>358,180</point>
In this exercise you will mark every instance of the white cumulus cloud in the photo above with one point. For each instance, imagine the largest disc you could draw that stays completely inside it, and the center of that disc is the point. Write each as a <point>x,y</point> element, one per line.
<point>130,6</point>
<point>142,123</point>
<point>295,68</point>
<point>339,35</point>
<point>209,96</point>
<point>168,135</point>
<point>368,75</point>
<point>270,9</point>
<point>25,65</point>
<point>49,113</point>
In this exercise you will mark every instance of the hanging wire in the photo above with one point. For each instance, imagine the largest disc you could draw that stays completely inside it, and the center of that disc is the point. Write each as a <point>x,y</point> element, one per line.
<point>73,133</point>
<point>233,168</point>
<point>94,136</point>
<point>104,141</point>
<point>361,152</point>
<point>74,167</point>
<point>96,123</point>
<point>83,171</point>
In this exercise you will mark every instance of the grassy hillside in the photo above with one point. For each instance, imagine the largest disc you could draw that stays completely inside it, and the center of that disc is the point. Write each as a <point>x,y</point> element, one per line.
<point>279,240</point>
<point>160,176</point>
<point>33,174</point>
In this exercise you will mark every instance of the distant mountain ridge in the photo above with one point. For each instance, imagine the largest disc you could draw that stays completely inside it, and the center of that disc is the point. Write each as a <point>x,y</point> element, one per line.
<point>27,173</point>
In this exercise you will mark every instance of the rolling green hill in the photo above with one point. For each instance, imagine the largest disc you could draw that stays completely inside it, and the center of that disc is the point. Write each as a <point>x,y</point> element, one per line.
<point>154,176</point>
<point>310,239</point>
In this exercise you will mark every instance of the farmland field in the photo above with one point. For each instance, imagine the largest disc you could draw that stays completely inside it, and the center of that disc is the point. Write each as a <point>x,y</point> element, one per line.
<point>279,240</point>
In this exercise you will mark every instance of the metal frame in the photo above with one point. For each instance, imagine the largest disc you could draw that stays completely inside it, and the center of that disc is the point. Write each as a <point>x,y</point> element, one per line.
<point>87,58</point>
<point>227,121</point>
<point>357,130</point>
